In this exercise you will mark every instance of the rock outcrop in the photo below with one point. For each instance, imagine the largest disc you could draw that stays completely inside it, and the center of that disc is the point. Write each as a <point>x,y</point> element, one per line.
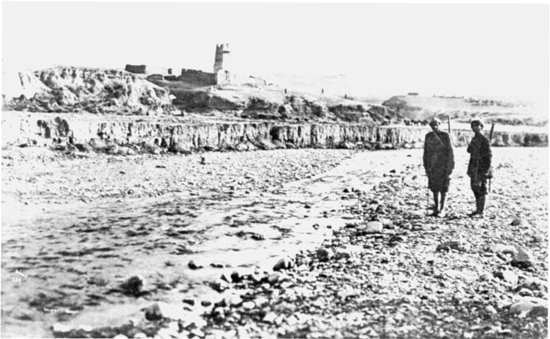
<point>74,89</point>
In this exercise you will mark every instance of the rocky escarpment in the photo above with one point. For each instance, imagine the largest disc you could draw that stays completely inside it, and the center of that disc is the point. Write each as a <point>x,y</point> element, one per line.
<point>128,136</point>
<point>74,89</point>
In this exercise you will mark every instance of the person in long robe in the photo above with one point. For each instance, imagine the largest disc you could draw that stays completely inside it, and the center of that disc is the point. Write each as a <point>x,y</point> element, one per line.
<point>439,164</point>
<point>479,167</point>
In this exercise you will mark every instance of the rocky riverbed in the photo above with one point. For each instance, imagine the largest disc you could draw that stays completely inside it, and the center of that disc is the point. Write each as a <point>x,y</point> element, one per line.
<point>284,243</point>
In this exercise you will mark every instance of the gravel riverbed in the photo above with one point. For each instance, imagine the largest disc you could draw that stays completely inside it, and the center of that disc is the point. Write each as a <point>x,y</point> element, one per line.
<point>294,243</point>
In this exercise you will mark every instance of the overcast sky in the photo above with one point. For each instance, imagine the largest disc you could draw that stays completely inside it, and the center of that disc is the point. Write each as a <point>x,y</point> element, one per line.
<point>429,48</point>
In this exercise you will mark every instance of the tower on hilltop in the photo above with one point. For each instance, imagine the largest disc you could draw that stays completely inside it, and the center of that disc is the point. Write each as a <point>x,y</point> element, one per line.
<point>222,58</point>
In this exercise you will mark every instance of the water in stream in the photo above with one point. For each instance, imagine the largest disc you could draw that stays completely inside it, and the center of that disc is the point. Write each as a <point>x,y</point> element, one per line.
<point>63,263</point>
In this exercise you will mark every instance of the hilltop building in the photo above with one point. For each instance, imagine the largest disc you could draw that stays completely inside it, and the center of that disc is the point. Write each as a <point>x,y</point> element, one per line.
<point>221,75</point>
<point>221,63</point>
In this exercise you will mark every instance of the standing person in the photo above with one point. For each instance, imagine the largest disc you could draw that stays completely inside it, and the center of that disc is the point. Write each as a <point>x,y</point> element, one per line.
<point>479,167</point>
<point>439,163</point>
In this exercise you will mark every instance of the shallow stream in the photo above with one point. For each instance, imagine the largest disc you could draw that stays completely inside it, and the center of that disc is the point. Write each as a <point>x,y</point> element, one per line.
<point>63,262</point>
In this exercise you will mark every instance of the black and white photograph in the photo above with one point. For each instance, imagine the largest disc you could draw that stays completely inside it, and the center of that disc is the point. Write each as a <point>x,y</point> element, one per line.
<point>243,170</point>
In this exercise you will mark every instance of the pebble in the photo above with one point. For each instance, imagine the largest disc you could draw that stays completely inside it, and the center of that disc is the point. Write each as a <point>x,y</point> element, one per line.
<point>133,286</point>
<point>505,249</point>
<point>537,238</point>
<point>198,333</point>
<point>270,317</point>
<point>248,305</point>
<point>194,266</point>
<point>532,284</point>
<point>60,328</point>
<point>273,278</point>
<point>530,306</point>
<point>283,264</point>
<point>189,302</point>
<point>343,253</point>
<point>233,300</point>
<point>236,277</point>
<point>523,259</point>
<point>516,222</point>
<point>324,254</point>
<point>302,261</point>
<point>161,310</point>
<point>374,227</point>
<point>453,245</point>
<point>220,285</point>
<point>525,292</point>
<point>508,276</point>
<point>491,309</point>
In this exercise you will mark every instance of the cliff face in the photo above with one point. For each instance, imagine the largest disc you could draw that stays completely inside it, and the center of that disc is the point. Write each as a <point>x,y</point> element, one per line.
<point>64,131</point>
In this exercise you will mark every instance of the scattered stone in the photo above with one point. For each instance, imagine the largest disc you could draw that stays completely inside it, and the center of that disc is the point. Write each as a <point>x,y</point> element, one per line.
<point>133,286</point>
<point>374,227</point>
<point>453,245</point>
<point>226,277</point>
<point>217,265</point>
<point>324,254</point>
<point>530,306</point>
<point>505,249</point>
<point>194,266</point>
<point>248,305</point>
<point>525,292</point>
<point>236,277</point>
<point>522,259</point>
<point>274,278</point>
<point>198,333</point>
<point>507,276</point>
<point>60,328</point>
<point>532,284</point>
<point>516,222</point>
<point>491,309</point>
<point>189,302</point>
<point>219,285</point>
<point>344,253</point>
<point>283,264</point>
<point>270,317</point>
<point>257,236</point>
<point>218,313</point>
<point>537,238</point>
<point>120,336</point>
<point>161,310</point>
<point>302,261</point>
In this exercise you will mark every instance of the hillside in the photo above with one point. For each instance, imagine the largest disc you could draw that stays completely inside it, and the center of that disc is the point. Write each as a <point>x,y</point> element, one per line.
<point>272,102</point>
<point>462,110</point>
<point>104,91</point>
<point>73,89</point>
<point>280,97</point>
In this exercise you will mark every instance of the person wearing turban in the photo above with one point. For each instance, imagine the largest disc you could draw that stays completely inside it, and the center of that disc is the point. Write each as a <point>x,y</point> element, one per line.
<point>439,164</point>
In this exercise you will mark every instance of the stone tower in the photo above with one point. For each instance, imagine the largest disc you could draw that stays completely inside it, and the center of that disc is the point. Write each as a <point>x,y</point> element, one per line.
<point>222,58</point>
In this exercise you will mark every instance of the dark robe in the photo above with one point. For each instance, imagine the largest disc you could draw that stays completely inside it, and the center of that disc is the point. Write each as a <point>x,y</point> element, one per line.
<point>439,160</point>
<point>480,163</point>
